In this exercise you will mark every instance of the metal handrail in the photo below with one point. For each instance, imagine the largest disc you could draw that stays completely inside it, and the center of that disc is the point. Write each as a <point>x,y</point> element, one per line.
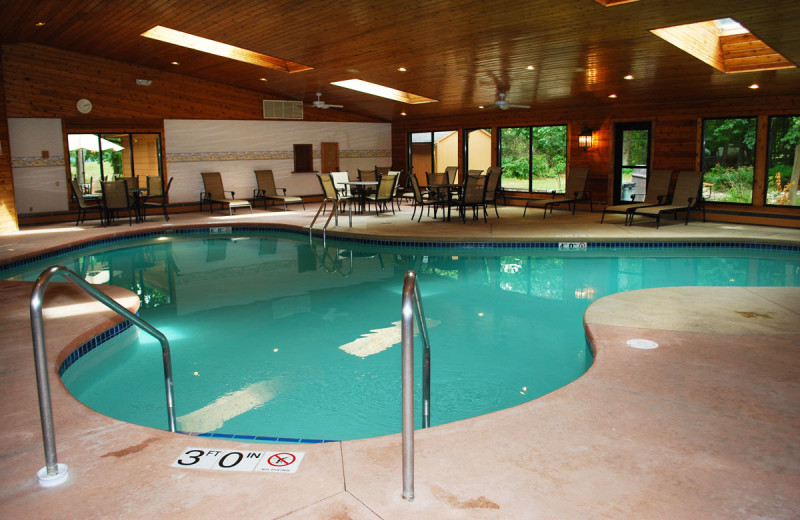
<point>412,304</point>
<point>335,211</point>
<point>40,357</point>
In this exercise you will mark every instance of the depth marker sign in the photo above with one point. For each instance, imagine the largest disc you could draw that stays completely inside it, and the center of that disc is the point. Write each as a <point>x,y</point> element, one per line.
<point>233,460</point>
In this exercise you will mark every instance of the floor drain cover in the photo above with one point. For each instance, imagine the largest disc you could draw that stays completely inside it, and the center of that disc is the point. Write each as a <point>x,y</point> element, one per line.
<point>642,343</point>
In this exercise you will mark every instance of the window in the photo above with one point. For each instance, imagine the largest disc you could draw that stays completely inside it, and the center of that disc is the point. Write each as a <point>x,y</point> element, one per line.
<point>94,157</point>
<point>728,159</point>
<point>432,152</point>
<point>783,161</point>
<point>479,149</point>
<point>534,158</point>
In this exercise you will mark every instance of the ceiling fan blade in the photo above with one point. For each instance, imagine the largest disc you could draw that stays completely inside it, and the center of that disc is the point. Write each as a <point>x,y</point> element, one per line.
<point>334,106</point>
<point>519,106</point>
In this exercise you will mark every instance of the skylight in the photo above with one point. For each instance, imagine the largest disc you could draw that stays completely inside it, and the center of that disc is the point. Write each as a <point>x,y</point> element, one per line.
<point>724,44</point>
<point>380,90</point>
<point>198,43</point>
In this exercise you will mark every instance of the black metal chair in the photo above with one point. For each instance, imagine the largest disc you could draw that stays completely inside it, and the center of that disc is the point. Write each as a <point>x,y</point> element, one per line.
<point>154,191</point>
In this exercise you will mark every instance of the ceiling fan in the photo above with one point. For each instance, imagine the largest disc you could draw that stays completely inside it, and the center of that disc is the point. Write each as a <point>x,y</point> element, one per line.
<point>503,104</point>
<point>321,104</point>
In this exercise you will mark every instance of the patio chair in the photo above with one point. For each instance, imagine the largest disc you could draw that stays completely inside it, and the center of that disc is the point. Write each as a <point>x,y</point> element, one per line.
<point>83,206</point>
<point>116,199</point>
<point>473,196</point>
<point>686,197</point>
<point>656,194</point>
<point>331,194</point>
<point>155,191</point>
<point>267,191</point>
<point>492,186</point>
<point>215,192</point>
<point>575,191</point>
<point>452,174</point>
<point>339,178</point>
<point>420,200</point>
<point>384,194</point>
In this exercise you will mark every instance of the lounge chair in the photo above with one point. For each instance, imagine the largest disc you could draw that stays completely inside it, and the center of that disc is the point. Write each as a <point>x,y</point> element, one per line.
<point>574,192</point>
<point>83,206</point>
<point>215,192</point>
<point>155,191</point>
<point>687,197</point>
<point>266,190</point>
<point>657,193</point>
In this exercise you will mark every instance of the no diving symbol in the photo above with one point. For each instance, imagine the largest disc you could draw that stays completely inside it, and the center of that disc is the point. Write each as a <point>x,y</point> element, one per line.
<point>280,460</point>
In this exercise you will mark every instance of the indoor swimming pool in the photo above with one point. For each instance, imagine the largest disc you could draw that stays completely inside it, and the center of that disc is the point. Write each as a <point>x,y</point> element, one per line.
<point>276,337</point>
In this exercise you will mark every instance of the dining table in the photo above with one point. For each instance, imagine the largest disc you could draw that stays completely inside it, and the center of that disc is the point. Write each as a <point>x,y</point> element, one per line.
<point>447,192</point>
<point>360,189</point>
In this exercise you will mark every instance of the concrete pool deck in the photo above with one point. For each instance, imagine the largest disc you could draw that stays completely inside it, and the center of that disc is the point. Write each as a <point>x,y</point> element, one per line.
<point>707,425</point>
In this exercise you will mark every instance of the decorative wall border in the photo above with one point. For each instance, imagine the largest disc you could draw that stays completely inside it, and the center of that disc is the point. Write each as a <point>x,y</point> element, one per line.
<point>266,155</point>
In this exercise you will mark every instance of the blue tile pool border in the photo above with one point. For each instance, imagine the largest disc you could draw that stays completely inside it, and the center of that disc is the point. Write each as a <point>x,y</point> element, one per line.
<point>764,245</point>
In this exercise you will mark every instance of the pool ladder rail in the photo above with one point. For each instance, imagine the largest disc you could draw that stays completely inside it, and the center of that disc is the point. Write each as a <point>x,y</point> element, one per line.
<point>411,306</point>
<point>54,474</point>
<point>334,213</point>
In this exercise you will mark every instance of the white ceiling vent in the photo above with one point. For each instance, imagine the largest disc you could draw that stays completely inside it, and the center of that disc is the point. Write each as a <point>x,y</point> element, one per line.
<point>283,109</point>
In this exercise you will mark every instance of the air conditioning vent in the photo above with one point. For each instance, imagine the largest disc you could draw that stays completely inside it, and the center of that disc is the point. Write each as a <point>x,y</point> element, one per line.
<point>283,109</point>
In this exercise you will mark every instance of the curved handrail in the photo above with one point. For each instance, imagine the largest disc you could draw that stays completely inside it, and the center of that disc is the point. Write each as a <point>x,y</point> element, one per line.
<point>40,357</point>
<point>412,304</point>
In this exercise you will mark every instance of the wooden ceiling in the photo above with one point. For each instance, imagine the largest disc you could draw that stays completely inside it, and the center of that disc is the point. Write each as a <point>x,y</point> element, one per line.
<point>461,53</point>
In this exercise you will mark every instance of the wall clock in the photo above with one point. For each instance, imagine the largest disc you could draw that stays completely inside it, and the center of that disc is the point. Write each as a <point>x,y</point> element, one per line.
<point>84,106</point>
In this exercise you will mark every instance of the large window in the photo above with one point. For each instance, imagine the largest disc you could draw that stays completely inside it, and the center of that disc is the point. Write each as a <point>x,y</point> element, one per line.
<point>728,159</point>
<point>479,149</point>
<point>106,156</point>
<point>432,152</point>
<point>783,161</point>
<point>534,158</point>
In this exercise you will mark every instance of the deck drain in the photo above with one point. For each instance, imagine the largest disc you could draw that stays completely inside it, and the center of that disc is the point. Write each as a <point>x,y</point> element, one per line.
<point>641,343</point>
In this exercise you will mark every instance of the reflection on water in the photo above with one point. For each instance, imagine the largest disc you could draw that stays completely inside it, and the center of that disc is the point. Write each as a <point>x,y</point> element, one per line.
<point>250,310</point>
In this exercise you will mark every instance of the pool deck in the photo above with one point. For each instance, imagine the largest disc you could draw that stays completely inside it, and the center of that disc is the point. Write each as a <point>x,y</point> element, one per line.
<point>707,425</point>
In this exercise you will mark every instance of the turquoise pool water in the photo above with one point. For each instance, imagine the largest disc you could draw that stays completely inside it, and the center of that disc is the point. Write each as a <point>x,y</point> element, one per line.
<point>274,337</point>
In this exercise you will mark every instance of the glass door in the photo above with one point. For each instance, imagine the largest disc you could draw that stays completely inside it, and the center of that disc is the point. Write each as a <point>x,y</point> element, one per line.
<point>631,161</point>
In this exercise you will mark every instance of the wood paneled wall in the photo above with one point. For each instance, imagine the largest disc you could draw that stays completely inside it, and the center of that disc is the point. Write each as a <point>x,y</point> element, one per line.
<point>8,207</point>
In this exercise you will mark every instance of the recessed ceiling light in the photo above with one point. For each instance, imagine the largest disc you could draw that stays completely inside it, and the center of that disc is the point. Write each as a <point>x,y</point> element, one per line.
<point>198,43</point>
<point>530,67</point>
<point>754,86</point>
<point>481,106</point>
<point>386,92</point>
<point>174,63</point>
<point>403,114</point>
<point>612,96</point>
<point>629,76</point>
<point>402,69</point>
<point>262,79</point>
<point>40,24</point>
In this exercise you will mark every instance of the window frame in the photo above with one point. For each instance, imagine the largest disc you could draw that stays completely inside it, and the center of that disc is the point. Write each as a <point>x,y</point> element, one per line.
<point>754,153</point>
<point>530,157</point>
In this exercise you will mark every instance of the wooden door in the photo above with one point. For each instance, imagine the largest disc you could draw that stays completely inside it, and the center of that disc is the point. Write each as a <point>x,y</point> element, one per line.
<point>330,157</point>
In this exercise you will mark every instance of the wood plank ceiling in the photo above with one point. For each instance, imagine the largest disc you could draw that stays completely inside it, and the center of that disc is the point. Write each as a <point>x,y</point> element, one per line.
<point>461,53</point>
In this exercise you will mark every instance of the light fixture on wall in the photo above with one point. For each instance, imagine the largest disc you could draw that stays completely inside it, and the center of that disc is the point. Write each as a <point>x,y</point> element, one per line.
<point>585,138</point>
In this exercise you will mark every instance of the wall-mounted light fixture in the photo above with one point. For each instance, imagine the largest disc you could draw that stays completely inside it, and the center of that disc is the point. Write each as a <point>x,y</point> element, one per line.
<point>585,138</point>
